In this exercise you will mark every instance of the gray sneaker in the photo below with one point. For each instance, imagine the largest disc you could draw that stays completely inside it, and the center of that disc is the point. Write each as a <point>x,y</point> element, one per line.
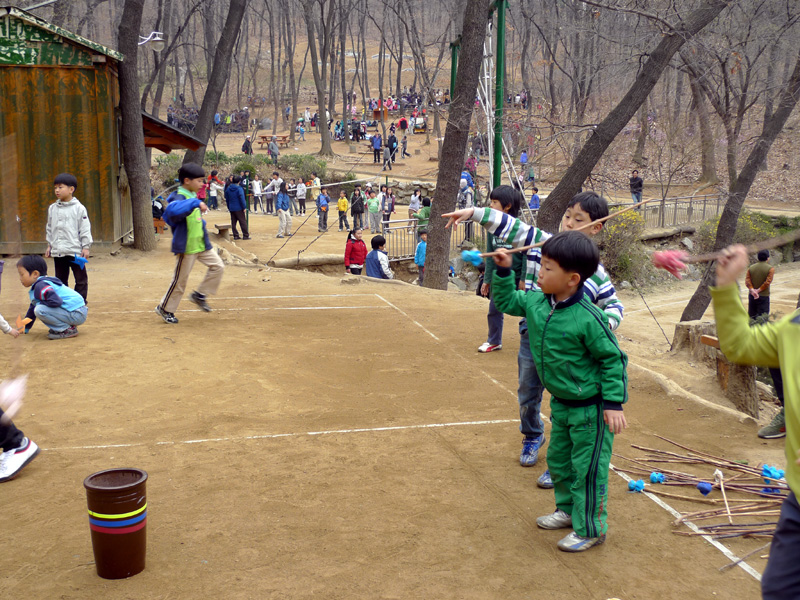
<point>69,332</point>
<point>556,520</point>
<point>545,481</point>
<point>575,543</point>
<point>776,427</point>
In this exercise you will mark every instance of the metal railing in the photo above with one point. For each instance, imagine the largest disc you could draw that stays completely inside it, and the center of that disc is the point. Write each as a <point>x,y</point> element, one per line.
<point>402,239</point>
<point>680,210</point>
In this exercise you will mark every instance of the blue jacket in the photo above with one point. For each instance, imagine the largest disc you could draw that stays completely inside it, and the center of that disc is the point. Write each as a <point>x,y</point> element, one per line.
<point>180,206</point>
<point>419,255</point>
<point>234,196</point>
<point>376,142</point>
<point>322,200</point>
<point>373,265</point>
<point>282,201</point>
<point>51,292</point>
<point>468,177</point>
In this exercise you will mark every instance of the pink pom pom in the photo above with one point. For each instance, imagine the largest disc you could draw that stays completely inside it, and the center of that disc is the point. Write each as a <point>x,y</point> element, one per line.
<point>670,260</point>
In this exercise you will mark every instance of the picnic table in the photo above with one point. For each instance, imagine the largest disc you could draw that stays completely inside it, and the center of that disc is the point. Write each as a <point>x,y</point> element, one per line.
<point>283,140</point>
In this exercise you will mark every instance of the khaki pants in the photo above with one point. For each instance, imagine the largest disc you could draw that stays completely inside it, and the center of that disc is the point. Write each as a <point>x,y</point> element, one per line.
<point>183,266</point>
<point>284,222</point>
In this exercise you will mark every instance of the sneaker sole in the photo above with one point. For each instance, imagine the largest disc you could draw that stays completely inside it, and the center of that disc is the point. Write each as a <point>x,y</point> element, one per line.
<point>772,436</point>
<point>584,547</point>
<point>25,464</point>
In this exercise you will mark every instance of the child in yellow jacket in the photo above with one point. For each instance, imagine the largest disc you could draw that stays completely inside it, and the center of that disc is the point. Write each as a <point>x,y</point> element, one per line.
<point>769,345</point>
<point>342,204</point>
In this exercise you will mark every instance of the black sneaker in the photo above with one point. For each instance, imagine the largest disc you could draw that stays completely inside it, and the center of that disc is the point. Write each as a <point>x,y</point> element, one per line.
<point>167,316</point>
<point>200,300</point>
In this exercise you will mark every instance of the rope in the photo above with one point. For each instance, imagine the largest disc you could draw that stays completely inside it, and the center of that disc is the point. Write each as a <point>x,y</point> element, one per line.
<point>641,295</point>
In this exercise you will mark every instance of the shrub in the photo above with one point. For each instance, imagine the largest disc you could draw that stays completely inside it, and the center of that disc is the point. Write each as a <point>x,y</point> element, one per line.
<point>216,158</point>
<point>244,164</point>
<point>302,165</point>
<point>166,170</point>
<point>343,178</point>
<point>622,253</point>
<point>751,227</point>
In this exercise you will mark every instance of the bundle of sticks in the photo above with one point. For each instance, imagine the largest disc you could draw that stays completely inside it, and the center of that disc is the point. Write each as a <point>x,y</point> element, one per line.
<point>750,500</point>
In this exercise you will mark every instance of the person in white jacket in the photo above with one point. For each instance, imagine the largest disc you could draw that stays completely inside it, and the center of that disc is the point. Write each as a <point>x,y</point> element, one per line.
<point>257,200</point>
<point>271,192</point>
<point>69,234</point>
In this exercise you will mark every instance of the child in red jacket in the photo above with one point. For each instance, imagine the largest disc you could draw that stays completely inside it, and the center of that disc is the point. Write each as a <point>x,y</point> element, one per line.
<point>355,252</point>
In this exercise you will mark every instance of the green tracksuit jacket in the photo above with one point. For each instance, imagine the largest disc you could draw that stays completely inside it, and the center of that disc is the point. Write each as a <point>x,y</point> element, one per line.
<point>768,345</point>
<point>581,365</point>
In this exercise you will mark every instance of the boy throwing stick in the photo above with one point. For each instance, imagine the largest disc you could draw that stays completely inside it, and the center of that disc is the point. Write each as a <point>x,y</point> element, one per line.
<point>189,243</point>
<point>584,370</point>
<point>770,345</point>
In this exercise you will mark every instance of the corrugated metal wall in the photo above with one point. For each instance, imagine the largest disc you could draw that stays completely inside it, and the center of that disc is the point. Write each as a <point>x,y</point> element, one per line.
<point>64,120</point>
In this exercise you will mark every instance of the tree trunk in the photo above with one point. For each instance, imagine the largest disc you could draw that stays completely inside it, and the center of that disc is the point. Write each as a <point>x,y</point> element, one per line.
<point>707,151</point>
<point>730,214</point>
<point>133,152</point>
<point>216,82</point>
<point>456,135</point>
<point>319,77</point>
<point>602,137</point>
<point>638,154</point>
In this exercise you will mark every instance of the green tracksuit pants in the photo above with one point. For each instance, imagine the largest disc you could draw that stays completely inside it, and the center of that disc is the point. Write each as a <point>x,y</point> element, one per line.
<point>578,457</point>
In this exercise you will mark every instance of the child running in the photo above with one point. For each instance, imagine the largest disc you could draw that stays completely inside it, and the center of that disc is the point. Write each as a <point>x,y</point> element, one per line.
<point>189,243</point>
<point>584,370</point>
<point>583,208</point>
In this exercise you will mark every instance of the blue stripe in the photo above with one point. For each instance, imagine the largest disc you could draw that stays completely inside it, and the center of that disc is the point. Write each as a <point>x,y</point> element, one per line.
<point>125,523</point>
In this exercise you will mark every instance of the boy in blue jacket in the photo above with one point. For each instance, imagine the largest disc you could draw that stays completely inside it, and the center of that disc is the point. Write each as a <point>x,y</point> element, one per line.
<point>54,303</point>
<point>583,368</point>
<point>235,199</point>
<point>419,255</point>
<point>189,243</point>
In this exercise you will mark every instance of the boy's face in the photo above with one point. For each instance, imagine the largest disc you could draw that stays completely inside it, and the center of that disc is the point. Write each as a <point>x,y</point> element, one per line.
<point>27,279</point>
<point>63,191</point>
<point>576,217</point>
<point>193,185</point>
<point>555,280</point>
<point>423,237</point>
<point>495,204</point>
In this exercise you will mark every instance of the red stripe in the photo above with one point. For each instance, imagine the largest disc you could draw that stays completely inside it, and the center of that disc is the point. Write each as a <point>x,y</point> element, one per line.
<point>131,529</point>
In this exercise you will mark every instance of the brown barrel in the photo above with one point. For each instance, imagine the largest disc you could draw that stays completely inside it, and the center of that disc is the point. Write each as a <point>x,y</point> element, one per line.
<point>117,502</point>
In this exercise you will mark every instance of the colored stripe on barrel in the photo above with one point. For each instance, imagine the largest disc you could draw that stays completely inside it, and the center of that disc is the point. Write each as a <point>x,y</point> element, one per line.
<point>120,516</point>
<point>123,523</point>
<point>120,529</point>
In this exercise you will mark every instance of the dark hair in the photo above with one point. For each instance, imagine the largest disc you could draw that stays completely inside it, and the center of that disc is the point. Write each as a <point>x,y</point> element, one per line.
<point>384,186</point>
<point>214,173</point>
<point>378,241</point>
<point>236,179</point>
<point>276,173</point>
<point>426,201</point>
<point>535,189</point>
<point>314,173</point>
<point>634,171</point>
<point>763,255</point>
<point>508,196</point>
<point>358,185</point>
<point>423,232</point>
<point>282,188</point>
<point>33,262</point>
<point>574,252</point>
<point>591,203</point>
<point>190,171</point>
<point>68,179</point>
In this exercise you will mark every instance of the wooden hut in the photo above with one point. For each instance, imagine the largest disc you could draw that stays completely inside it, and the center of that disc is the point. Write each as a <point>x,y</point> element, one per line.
<point>59,112</point>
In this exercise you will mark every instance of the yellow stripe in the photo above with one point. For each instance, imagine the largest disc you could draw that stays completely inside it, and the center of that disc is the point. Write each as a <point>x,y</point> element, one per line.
<point>123,516</point>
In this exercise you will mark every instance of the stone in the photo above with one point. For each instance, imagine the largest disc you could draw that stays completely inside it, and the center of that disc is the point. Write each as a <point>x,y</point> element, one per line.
<point>625,285</point>
<point>417,151</point>
<point>775,257</point>
<point>458,283</point>
<point>687,243</point>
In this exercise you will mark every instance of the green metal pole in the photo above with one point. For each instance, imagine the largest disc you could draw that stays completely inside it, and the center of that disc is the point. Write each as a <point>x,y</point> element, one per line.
<point>499,99</point>
<point>454,47</point>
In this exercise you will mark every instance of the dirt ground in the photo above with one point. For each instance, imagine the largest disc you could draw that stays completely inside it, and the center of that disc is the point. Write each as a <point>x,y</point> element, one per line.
<point>319,435</point>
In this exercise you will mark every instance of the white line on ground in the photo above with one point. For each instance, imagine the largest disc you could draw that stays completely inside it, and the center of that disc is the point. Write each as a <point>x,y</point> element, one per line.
<point>131,312</point>
<point>283,435</point>
<point>728,554</point>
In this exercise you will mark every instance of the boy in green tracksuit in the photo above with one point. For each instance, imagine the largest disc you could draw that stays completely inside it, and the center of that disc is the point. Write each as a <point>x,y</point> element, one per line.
<point>769,345</point>
<point>583,368</point>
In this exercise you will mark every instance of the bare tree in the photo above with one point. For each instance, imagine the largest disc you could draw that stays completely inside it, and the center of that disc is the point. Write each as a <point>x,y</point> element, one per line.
<point>132,132</point>
<point>324,28</point>
<point>217,79</point>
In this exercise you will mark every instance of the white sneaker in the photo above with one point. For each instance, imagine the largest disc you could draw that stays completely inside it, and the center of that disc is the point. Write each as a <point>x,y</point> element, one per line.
<point>556,520</point>
<point>487,347</point>
<point>13,461</point>
<point>576,543</point>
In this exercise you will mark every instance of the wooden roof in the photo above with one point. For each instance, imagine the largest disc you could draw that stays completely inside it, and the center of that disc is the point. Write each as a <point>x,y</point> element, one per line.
<point>165,137</point>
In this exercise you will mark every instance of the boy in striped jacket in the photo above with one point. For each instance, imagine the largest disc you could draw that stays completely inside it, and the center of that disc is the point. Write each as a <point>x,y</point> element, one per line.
<point>583,208</point>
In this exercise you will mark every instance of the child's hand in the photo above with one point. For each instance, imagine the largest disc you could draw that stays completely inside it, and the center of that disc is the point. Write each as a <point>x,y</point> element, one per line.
<point>502,258</point>
<point>731,264</point>
<point>14,333</point>
<point>459,216</point>
<point>615,420</point>
<point>85,252</point>
<point>203,207</point>
<point>485,290</point>
<point>47,252</point>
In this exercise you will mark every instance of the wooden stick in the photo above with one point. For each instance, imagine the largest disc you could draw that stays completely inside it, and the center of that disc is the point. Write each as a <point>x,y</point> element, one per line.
<point>775,242</point>
<point>581,228</point>
<point>719,477</point>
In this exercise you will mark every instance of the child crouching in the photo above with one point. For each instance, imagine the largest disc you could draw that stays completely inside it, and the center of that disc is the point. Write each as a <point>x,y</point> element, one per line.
<point>52,302</point>
<point>584,370</point>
